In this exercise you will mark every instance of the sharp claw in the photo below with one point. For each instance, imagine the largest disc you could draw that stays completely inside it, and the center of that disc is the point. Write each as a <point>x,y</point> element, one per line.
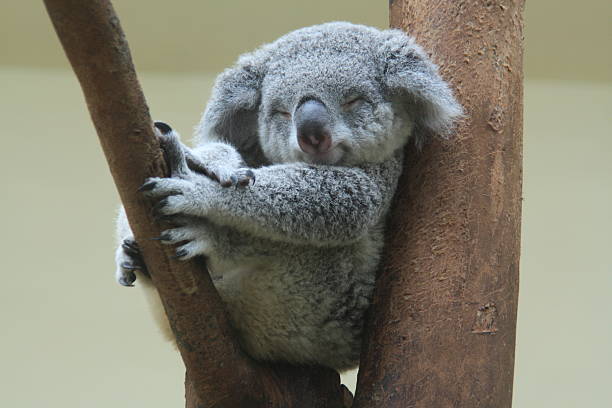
<point>130,245</point>
<point>251,175</point>
<point>133,252</point>
<point>161,204</point>
<point>125,284</point>
<point>149,185</point>
<point>128,266</point>
<point>162,237</point>
<point>180,253</point>
<point>130,242</point>
<point>164,128</point>
<point>127,281</point>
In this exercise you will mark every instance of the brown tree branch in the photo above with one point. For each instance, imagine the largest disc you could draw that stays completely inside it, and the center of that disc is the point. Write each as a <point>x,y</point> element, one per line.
<point>442,325</point>
<point>219,374</point>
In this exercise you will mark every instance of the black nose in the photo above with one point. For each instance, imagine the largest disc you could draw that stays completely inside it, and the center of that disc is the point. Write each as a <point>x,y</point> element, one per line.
<point>312,121</point>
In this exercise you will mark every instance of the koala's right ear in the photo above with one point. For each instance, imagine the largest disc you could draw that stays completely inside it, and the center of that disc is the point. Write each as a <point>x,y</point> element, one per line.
<point>232,111</point>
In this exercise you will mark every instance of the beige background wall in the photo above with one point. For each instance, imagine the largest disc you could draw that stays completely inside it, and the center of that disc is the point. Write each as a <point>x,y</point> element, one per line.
<point>73,338</point>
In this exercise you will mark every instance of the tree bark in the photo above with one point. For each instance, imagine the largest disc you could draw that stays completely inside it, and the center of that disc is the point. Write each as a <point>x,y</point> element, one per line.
<point>441,329</point>
<point>219,374</point>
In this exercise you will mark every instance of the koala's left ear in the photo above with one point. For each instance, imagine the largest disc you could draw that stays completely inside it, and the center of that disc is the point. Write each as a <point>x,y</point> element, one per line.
<point>231,113</point>
<point>410,75</point>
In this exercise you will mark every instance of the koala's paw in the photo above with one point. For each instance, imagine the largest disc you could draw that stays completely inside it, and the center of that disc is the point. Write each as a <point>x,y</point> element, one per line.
<point>128,259</point>
<point>175,196</point>
<point>175,152</point>
<point>191,240</point>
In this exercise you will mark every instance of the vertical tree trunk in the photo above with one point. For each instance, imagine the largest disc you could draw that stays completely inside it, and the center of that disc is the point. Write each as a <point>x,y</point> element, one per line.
<point>442,325</point>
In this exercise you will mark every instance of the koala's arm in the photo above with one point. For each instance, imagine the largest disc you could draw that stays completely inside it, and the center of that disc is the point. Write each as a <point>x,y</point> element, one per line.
<point>296,202</point>
<point>308,203</point>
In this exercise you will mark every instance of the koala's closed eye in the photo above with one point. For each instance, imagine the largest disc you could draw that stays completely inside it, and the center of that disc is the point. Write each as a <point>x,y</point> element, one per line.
<point>353,102</point>
<point>281,113</point>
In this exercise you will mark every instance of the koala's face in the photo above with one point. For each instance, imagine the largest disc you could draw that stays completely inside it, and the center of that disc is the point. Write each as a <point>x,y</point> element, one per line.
<point>316,107</point>
<point>335,93</point>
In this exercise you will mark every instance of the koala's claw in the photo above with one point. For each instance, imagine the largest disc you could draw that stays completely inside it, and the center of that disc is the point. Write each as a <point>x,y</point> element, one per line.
<point>192,240</point>
<point>131,248</point>
<point>181,253</point>
<point>240,178</point>
<point>128,266</point>
<point>174,151</point>
<point>164,128</point>
<point>147,186</point>
<point>129,259</point>
<point>127,279</point>
<point>161,238</point>
<point>158,207</point>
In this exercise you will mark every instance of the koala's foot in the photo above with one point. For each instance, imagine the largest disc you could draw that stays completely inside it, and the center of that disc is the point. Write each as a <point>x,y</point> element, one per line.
<point>129,259</point>
<point>217,161</point>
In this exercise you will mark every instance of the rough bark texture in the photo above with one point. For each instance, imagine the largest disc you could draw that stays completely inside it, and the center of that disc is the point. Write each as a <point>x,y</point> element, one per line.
<point>442,325</point>
<point>218,373</point>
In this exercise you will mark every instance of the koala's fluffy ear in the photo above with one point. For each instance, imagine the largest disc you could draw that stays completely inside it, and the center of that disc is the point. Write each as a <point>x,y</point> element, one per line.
<point>231,113</point>
<point>410,75</point>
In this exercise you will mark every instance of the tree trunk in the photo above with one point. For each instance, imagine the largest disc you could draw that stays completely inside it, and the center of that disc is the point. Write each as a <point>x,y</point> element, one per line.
<point>441,329</point>
<point>219,374</point>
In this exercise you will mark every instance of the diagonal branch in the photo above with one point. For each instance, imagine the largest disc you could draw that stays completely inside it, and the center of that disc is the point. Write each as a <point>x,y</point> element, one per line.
<point>219,374</point>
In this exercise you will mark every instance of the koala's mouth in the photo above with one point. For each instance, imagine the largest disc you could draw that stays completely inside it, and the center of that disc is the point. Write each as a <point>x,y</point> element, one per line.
<point>331,156</point>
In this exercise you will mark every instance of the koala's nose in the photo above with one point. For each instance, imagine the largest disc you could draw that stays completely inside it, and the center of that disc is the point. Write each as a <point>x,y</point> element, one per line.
<point>312,121</point>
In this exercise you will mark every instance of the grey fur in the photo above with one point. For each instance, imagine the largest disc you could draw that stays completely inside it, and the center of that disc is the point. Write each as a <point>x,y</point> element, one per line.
<point>294,243</point>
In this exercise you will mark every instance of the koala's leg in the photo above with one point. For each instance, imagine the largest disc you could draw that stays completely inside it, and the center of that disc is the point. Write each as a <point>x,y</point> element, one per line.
<point>302,306</point>
<point>216,160</point>
<point>130,267</point>
<point>128,259</point>
<point>219,161</point>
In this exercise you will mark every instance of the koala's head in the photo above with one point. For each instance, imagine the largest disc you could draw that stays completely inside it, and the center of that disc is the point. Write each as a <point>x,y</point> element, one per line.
<point>335,93</point>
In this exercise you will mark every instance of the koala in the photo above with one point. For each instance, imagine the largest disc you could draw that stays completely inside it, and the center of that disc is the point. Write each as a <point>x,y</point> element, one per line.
<point>286,194</point>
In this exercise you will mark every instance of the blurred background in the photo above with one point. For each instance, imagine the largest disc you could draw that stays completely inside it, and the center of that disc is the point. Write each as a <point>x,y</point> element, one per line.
<point>72,337</point>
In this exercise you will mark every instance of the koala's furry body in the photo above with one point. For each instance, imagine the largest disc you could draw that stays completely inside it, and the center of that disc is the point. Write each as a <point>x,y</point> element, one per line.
<point>291,220</point>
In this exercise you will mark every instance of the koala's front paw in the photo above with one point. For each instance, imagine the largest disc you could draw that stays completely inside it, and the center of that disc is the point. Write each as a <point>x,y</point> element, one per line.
<point>192,239</point>
<point>128,259</point>
<point>176,196</point>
